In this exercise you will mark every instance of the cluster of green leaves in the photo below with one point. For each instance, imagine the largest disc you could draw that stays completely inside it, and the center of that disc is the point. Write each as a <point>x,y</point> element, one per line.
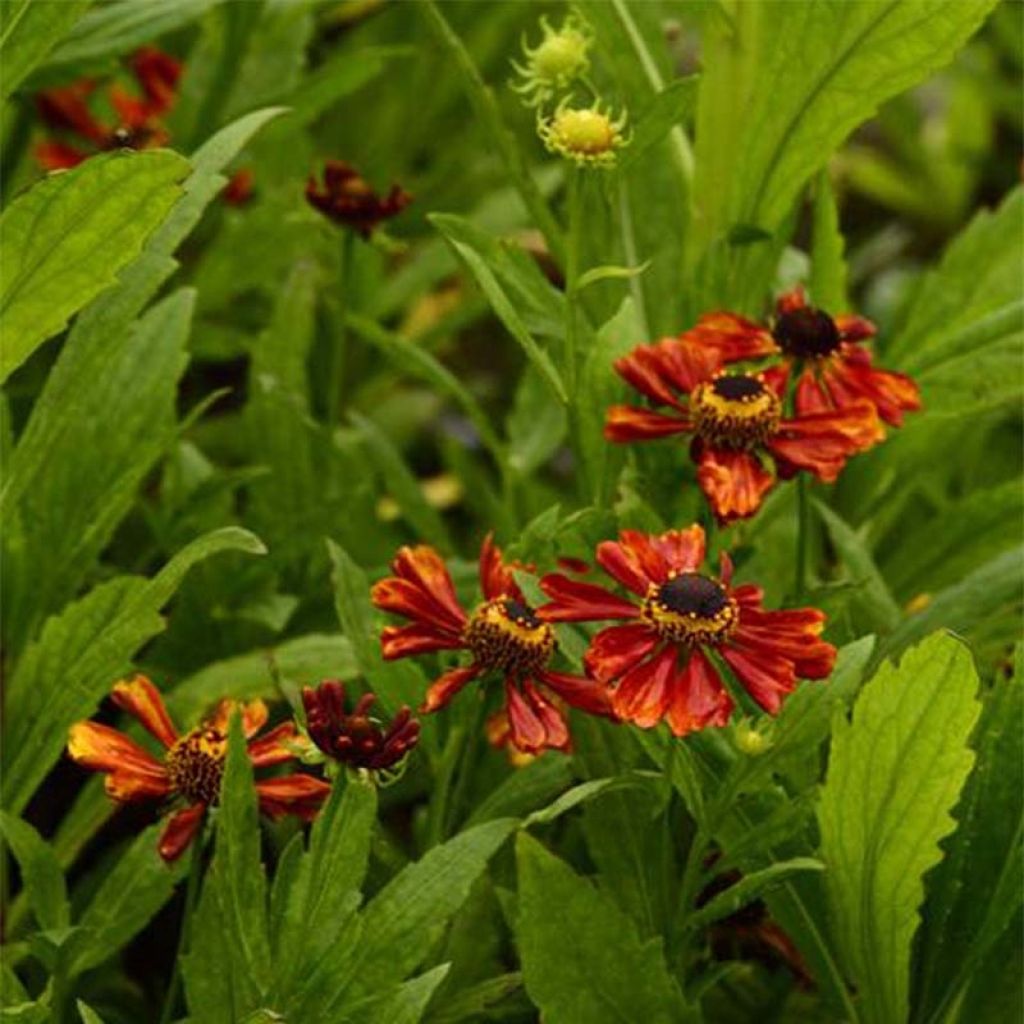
<point>172,369</point>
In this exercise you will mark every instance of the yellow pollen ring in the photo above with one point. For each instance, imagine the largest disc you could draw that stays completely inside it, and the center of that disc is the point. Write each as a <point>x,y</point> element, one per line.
<point>739,423</point>
<point>689,627</point>
<point>503,642</point>
<point>195,764</point>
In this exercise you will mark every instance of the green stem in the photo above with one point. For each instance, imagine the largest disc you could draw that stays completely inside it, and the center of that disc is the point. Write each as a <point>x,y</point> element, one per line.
<point>185,934</point>
<point>572,273</point>
<point>336,369</point>
<point>803,527</point>
<point>629,251</point>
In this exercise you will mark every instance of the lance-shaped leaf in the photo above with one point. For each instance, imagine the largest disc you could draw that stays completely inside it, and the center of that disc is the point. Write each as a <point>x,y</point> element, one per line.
<point>30,29</point>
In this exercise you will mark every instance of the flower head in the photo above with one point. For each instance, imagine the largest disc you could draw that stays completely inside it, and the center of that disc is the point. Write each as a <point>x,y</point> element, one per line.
<point>586,135</point>
<point>555,62</point>
<point>354,738</point>
<point>139,117</point>
<point>736,422</point>
<point>675,615</point>
<point>347,198</point>
<point>192,764</point>
<point>502,634</point>
<point>835,369</point>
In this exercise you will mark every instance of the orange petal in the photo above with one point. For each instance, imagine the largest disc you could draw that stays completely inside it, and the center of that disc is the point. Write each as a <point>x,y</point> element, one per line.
<point>444,688</point>
<point>276,747</point>
<point>572,601</point>
<point>697,699</point>
<point>642,696</point>
<point>735,483</point>
<point>180,830</point>
<point>104,749</point>
<point>298,794</point>
<point>418,638</point>
<point>617,649</point>
<point>139,697</point>
<point>626,423</point>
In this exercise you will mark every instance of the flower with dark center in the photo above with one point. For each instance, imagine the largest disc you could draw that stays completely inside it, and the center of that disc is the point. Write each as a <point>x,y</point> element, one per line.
<point>347,198</point>
<point>193,764</point>
<point>736,423</point>
<point>355,738</point>
<point>675,615</point>
<point>139,122</point>
<point>503,635</point>
<point>835,369</point>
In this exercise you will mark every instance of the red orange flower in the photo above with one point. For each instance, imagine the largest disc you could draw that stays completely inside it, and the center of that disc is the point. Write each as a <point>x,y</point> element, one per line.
<point>139,126</point>
<point>735,420</point>
<point>835,369</point>
<point>675,617</point>
<point>347,198</point>
<point>193,763</point>
<point>354,738</point>
<point>503,635</point>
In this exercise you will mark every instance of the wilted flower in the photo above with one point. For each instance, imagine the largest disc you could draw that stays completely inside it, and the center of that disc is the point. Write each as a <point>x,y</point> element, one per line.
<point>354,738</point>
<point>586,135</point>
<point>736,420</point>
<point>555,62</point>
<point>503,635</point>
<point>835,369</point>
<point>347,198</point>
<point>658,663</point>
<point>193,764</point>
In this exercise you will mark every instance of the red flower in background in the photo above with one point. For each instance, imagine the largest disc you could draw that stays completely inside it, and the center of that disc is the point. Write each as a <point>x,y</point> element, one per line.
<point>836,370</point>
<point>658,662</point>
<point>138,126</point>
<point>193,764</point>
<point>503,635</point>
<point>354,738</point>
<point>736,421</point>
<point>347,198</point>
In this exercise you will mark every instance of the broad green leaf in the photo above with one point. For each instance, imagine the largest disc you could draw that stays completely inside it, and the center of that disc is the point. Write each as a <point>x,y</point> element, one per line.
<point>485,274</point>
<point>41,875</point>
<point>29,29</point>
<point>605,972</point>
<point>525,790</point>
<point>901,763</point>
<point>467,1004</point>
<point>536,426</point>
<point>828,266</point>
<point>783,85</point>
<point>118,425</point>
<point>405,1005</point>
<point>975,891</point>
<point>66,239</point>
<point>402,923</point>
<point>139,884</point>
<point>79,654</point>
<point>749,888</point>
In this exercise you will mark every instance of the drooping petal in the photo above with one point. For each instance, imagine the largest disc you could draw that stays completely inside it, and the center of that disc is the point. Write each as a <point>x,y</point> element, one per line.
<point>626,423</point>
<point>572,601</point>
<point>851,377</point>
<point>585,694</point>
<point>617,649</point>
<point>644,370</point>
<point>127,785</point>
<point>445,687</point>
<point>496,579</point>
<point>793,633</point>
<point>298,794</point>
<point>697,698</point>
<point>735,483</point>
<point>642,697</point>
<point>421,589</point>
<point>140,698</point>
<point>402,641</point>
<point>179,831</point>
<point>534,722</point>
<point>275,747</point>
<point>766,677</point>
<point>104,749</point>
<point>822,442</point>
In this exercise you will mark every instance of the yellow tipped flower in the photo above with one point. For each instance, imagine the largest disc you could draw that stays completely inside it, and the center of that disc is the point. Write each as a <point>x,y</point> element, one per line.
<point>555,62</point>
<point>585,135</point>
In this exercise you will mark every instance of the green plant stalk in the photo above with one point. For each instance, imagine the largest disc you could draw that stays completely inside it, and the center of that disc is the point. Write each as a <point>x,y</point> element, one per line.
<point>572,274</point>
<point>632,259</point>
<point>336,368</point>
<point>184,936</point>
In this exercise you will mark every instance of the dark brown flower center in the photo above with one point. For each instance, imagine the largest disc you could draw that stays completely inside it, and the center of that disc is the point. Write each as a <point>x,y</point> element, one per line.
<point>737,411</point>
<point>505,635</point>
<point>195,764</point>
<point>691,608</point>
<point>806,333</point>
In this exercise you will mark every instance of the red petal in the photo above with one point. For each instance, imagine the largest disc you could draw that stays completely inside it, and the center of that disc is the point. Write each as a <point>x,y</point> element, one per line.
<point>734,337</point>
<point>735,483</point>
<point>766,677</point>
<point>791,300</point>
<point>697,697</point>
<point>534,722</point>
<point>180,830</point>
<point>642,696</point>
<point>626,423</point>
<point>445,687</point>
<point>850,379</point>
<point>496,579</point>
<point>644,370</point>
<point>297,794</point>
<point>854,328</point>
<point>822,442</point>
<point>617,649</point>
<point>572,601</point>
<point>585,694</point>
<point>402,641</point>
<point>633,560</point>
<point>57,156</point>
<point>140,698</point>
<point>683,550</point>
<point>421,589</point>
<point>276,747</point>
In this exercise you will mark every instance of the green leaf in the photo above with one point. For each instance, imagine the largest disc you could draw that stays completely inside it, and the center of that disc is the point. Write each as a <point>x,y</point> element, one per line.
<point>481,266</point>
<point>609,273</point>
<point>975,891</point>
<point>89,1016</point>
<point>525,789</point>
<point>404,1005</point>
<point>828,266</point>
<point>139,884</point>
<point>30,29</point>
<point>605,972</point>
<point>117,425</point>
<point>670,107</point>
<point>66,239</point>
<point>66,672</point>
<point>900,763</point>
<point>470,1003</point>
<point>41,875</point>
<point>536,426</point>
<point>582,793</point>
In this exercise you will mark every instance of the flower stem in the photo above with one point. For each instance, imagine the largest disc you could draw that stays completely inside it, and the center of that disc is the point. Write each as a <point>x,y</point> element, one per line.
<point>803,527</point>
<point>572,270</point>
<point>336,369</point>
<point>184,935</point>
